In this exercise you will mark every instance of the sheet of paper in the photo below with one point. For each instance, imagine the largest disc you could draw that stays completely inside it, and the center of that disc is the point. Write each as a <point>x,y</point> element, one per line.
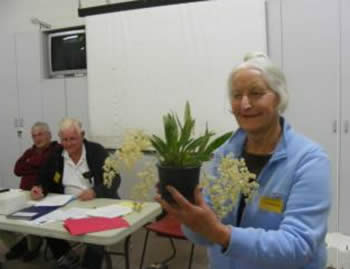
<point>76,213</point>
<point>24,214</point>
<point>110,211</point>
<point>53,200</point>
<point>61,215</point>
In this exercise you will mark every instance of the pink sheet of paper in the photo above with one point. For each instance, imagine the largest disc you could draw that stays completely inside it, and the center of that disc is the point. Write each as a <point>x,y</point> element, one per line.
<point>93,224</point>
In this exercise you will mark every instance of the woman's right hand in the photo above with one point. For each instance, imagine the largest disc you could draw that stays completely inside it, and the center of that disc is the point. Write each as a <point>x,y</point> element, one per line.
<point>199,217</point>
<point>36,193</point>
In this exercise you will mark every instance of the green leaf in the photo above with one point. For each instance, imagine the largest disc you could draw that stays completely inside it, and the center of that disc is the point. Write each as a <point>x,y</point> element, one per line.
<point>186,132</point>
<point>218,142</point>
<point>187,114</point>
<point>196,143</point>
<point>207,136</point>
<point>188,126</point>
<point>171,131</point>
<point>178,121</point>
<point>158,144</point>
<point>180,148</point>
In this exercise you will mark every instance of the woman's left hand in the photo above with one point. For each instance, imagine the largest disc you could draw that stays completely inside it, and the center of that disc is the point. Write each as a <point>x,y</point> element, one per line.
<point>198,217</point>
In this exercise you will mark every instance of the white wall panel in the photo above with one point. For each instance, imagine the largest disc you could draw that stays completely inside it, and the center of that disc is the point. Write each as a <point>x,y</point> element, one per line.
<point>9,142</point>
<point>344,183</point>
<point>144,63</point>
<point>54,103</point>
<point>311,64</point>
<point>274,33</point>
<point>77,100</point>
<point>28,62</point>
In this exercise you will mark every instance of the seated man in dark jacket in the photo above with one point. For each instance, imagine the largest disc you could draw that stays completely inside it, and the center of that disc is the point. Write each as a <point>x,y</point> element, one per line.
<point>76,168</point>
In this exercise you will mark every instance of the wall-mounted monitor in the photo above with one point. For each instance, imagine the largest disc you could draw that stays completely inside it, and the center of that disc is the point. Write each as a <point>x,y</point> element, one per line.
<point>67,52</point>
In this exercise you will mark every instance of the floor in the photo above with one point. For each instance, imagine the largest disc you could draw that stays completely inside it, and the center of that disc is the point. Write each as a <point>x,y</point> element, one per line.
<point>158,249</point>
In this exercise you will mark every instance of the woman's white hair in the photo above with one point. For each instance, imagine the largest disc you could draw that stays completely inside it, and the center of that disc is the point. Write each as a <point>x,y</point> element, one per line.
<point>68,123</point>
<point>272,75</point>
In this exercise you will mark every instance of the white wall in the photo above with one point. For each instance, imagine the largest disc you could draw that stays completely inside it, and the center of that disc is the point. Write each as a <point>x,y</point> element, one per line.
<point>20,78</point>
<point>15,17</point>
<point>145,63</point>
<point>15,14</point>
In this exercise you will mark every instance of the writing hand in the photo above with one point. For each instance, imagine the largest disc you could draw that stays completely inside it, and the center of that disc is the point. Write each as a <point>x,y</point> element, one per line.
<point>36,193</point>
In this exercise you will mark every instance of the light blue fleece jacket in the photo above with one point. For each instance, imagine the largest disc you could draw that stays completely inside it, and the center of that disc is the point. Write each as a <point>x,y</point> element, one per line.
<point>298,173</point>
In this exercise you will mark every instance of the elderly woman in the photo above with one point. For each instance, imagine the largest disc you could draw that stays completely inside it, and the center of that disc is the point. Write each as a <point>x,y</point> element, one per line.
<point>285,224</point>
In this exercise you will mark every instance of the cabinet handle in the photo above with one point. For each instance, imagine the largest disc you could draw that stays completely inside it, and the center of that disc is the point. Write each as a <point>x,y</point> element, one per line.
<point>346,126</point>
<point>334,127</point>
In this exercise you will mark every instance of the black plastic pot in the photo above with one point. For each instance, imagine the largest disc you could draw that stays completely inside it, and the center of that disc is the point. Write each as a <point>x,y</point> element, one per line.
<point>183,179</point>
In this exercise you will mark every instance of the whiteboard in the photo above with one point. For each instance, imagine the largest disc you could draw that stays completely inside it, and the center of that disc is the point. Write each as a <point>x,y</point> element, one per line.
<point>145,63</point>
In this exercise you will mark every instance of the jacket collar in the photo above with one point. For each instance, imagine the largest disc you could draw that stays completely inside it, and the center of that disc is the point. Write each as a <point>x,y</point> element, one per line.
<point>281,150</point>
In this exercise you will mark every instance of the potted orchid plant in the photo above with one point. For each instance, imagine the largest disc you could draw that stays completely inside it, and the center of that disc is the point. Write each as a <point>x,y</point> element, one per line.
<point>180,156</point>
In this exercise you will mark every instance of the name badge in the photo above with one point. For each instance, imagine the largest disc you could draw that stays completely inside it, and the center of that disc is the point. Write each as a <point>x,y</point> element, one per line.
<point>57,177</point>
<point>274,205</point>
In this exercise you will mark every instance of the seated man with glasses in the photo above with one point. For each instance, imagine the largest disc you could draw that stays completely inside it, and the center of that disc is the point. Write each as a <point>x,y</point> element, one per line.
<point>77,169</point>
<point>28,167</point>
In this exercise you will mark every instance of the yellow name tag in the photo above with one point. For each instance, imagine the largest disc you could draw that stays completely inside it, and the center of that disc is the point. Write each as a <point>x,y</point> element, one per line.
<point>57,177</point>
<point>271,204</point>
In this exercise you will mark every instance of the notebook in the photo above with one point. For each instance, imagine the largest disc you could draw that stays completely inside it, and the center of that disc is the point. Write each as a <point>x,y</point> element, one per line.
<point>31,212</point>
<point>93,224</point>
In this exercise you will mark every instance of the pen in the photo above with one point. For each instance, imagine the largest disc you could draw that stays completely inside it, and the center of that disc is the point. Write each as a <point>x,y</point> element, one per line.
<point>4,190</point>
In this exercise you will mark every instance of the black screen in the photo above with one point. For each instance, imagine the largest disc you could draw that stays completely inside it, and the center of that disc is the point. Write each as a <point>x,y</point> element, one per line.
<point>68,52</point>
